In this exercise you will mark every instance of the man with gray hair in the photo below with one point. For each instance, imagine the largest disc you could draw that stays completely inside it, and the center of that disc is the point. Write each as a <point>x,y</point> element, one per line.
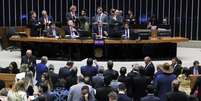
<point>41,68</point>
<point>29,60</point>
<point>149,68</point>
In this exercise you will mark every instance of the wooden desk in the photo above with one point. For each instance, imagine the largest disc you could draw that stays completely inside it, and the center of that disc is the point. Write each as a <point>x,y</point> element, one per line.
<point>193,79</point>
<point>91,41</point>
<point>9,79</point>
<point>162,48</point>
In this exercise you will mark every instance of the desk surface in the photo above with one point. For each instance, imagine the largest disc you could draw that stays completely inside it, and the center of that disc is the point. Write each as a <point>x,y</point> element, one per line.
<point>91,41</point>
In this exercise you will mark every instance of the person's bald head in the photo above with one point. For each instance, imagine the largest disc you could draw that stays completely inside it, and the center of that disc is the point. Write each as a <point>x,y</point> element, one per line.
<point>147,59</point>
<point>29,53</point>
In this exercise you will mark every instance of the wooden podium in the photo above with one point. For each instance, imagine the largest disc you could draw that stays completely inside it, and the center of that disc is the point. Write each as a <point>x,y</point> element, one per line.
<point>193,79</point>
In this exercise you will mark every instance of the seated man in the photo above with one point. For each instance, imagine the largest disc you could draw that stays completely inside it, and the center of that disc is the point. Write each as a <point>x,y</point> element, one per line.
<point>100,30</point>
<point>195,69</point>
<point>53,31</point>
<point>71,30</point>
<point>45,22</point>
<point>127,33</point>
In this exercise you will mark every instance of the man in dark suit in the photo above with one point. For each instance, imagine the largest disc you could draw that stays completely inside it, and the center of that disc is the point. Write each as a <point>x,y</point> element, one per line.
<point>64,72</point>
<point>123,78</point>
<point>33,23</point>
<point>53,31</point>
<point>54,77</point>
<point>72,15</point>
<point>137,83</point>
<point>176,95</point>
<point>98,79</point>
<point>149,68</point>
<point>89,70</point>
<point>195,69</point>
<point>30,60</point>
<point>67,73</point>
<point>110,72</point>
<point>122,93</point>
<point>71,30</point>
<point>102,92</point>
<point>127,32</point>
<point>150,96</point>
<point>45,20</point>
<point>177,68</point>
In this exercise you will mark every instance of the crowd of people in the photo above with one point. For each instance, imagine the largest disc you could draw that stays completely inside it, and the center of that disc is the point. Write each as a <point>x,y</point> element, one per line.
<point>142,83</point>
<point>104,24</point>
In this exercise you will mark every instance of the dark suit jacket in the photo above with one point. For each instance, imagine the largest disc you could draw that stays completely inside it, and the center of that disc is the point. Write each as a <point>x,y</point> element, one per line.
<point>113,74</point>
<point>64,72</point>
<point>149,70</point>
<point>70,17</point>
<point>123,97</point>
<point>98,81</point>
<point>54,77</point>
<point>7,70</point>
<point>68,75</point>
<point>177,70</point>
<point>150,98</point>
<point>33,24</point>
<point>176,96</point>
<point>192,68</point>
<point>31,63</point>
<point>75,19</point>
<point>67,31</point>
<point>89,71</point>
<point>50,32</point>
<point>102,93</point>
<point>139,84</point>
<point>123,79</point>
<point>50,18</point>
<point>131,33</point>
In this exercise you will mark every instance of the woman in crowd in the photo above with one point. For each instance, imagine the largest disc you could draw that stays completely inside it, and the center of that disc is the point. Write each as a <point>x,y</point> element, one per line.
<point>29,83</point>
<point>86,96</point>
<point>12,68</point>
<point>46,80</point>
<point>18,93</point>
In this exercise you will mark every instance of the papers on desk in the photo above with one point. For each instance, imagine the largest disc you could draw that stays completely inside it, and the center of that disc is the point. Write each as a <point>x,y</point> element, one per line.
<point>19,76</point>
